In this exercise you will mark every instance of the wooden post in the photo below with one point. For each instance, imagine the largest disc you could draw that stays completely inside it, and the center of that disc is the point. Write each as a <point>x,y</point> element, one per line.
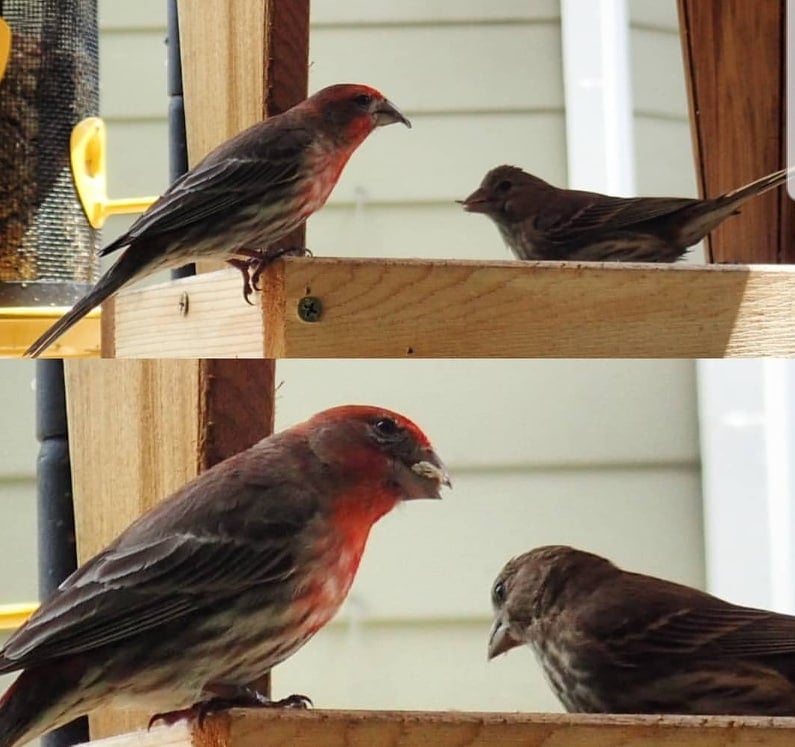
<point>735,66</point>
<point>140,429</point>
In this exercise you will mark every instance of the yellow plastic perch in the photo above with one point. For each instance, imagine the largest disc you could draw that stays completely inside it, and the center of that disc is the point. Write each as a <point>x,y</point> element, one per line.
<point>5,46</point>
<point>89,168</point>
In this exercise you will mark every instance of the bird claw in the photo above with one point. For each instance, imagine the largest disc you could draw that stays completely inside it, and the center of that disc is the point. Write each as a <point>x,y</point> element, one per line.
<point>260,264</point>
<point>245,699</point>
<point>169,718</point>
<point>199,711</point>
<point>253,267</point>
<point>244,267</point>
<point>299,702</point>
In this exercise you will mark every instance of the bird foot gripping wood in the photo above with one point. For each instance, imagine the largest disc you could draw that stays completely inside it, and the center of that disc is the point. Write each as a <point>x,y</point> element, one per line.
<point>259,264</point>
<point>253,267</point>
<point>244,698</point>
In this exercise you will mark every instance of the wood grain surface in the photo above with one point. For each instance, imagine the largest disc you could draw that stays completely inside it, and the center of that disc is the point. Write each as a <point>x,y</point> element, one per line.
<point>735,66</point>
<point>464,309</point>
<point>421,729</point>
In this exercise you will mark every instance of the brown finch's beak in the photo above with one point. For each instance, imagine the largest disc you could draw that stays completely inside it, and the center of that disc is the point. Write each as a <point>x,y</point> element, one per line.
<point>500,639</point>
<point>386,113</point>
<point>475,203</point>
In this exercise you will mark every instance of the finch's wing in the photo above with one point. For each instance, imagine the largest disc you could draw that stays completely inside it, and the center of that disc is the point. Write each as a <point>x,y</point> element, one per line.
<point>730,631</point>
<point>123,592</point>
<point>600,213</point>
<point>669,619</point>
<point>226,180</point>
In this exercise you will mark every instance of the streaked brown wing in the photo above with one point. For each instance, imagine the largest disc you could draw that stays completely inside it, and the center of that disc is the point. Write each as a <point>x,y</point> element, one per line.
<point>617,212</point>
<point>724,631</point>
<point>219,184</point>
<point>657,618</point>
<point>121,594</point>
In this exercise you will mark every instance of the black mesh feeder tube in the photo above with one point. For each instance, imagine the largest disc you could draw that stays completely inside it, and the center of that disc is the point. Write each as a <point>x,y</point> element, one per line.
<point>47,247</point>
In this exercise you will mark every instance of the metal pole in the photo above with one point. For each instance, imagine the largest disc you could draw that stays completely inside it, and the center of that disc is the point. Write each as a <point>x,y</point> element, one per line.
<point>177,140</point>
<point>56,519</point>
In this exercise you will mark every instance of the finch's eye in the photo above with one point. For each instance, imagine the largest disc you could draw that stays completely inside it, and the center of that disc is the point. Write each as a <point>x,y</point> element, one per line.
<point>498,593</point>
<point>363,100</point>
<point>504,186</point>
<point>387,427</point>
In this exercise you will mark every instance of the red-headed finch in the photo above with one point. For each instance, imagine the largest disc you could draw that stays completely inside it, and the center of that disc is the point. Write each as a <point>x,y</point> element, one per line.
<point>245,195</point>
<point>611,641</point>
<point>222,580</point>
<point>540,221</point>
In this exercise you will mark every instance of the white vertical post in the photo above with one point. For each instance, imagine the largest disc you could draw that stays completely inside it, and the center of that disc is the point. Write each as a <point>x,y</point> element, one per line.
<point>789,99</point>
<point>748,447</point>
<point>598,95</point>
<point>779,388</point>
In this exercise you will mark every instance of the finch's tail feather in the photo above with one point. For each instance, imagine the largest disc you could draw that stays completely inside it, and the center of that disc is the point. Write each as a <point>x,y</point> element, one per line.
<point>96,296</point>
<point>130,266</point>
<point>708,214</point>
<point>15,713</point>
<point>757,187</point>
<point>33,705</point>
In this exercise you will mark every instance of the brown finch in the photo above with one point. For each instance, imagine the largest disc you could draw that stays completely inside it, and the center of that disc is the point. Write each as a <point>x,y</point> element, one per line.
<point>611,641</point>
<point>540,221</point>
<point>245,195</point>
<point>222,580</point>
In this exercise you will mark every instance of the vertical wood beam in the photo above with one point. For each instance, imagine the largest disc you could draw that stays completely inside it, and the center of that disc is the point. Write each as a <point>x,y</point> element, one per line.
<point>735,66</point>
<point>141,428</point>
<point>266,79</point>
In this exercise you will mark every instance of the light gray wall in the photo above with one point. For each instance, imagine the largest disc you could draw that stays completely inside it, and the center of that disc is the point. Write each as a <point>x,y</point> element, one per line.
<point>663,142</point>
<point>17,487</point>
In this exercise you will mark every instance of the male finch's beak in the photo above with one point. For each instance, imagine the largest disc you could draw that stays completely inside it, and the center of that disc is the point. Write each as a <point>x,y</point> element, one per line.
<point>387,113</point>
<point>500,639</point>
<point>431,469</point>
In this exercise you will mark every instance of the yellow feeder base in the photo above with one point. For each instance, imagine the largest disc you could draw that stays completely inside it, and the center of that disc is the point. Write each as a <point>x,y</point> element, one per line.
<point>13,615</point>
<point>20,326</point>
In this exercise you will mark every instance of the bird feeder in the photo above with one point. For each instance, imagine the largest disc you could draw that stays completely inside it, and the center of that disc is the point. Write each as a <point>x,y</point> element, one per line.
<point>50,81</point>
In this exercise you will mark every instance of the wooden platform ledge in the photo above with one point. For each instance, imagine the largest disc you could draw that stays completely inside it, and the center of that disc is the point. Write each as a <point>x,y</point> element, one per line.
<point>377,308</point>
<point>419,729</point>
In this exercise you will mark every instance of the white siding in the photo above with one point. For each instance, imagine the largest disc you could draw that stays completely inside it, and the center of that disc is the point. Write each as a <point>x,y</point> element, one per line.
<point>18,450</point>
<point>663,143</point>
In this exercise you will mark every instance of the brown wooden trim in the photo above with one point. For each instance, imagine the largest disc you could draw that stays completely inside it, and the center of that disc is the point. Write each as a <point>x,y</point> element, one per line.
<point>735,65</point>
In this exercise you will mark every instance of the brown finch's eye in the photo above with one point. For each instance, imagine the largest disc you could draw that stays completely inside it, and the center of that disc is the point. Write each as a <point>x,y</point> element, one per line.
<point>387,427</point>
<point>363,100</point>
<point>504,186</point>
<point>498,593</point>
